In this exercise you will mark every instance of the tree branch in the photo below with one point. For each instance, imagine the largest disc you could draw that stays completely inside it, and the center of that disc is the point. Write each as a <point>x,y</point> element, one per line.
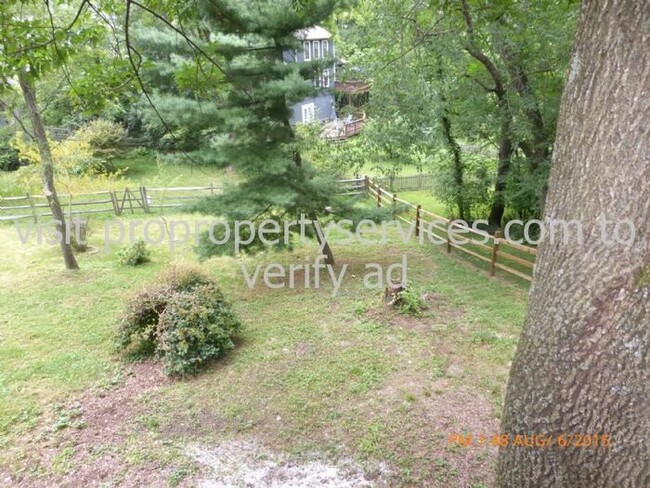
<point>479,55</point>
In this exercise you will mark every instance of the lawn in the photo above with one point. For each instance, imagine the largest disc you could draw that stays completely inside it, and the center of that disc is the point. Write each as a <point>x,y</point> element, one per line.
<point>139,169</point>
<point>344,380</point>
<point>147,171</point>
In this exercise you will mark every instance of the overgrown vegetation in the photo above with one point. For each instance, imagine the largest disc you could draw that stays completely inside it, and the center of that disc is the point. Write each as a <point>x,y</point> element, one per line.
<point>182,318</point>
<point>134,254</point>
<point>10,159</point>
<point>409,302</point>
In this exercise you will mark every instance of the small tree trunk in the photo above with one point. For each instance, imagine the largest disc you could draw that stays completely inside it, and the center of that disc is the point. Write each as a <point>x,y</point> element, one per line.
<point>322,241</point>
<point>29,95</point>
<point>583,360</point>
<point>459,168</point>
<point>503,168</point>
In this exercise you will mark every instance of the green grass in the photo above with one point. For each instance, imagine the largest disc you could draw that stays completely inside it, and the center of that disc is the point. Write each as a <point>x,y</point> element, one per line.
<point>317,363</point>
<point>373,170</point>
<point>145,170</point>
<point>140,169</point>
<point>427,199</point>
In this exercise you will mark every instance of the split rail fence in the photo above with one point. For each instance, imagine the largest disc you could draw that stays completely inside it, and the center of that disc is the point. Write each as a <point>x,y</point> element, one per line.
<point>497,252</point>
<point>116,202</point>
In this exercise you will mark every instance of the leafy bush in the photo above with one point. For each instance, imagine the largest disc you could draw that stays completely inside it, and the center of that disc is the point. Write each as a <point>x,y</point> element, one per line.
<point>134,254</point>
<point>196,326</point>
<point>183,318</point>
<point>104,137</point>
<point>409,302</point>
<point>94,167</point>
<point>73,157</point>
<point>10,159</point>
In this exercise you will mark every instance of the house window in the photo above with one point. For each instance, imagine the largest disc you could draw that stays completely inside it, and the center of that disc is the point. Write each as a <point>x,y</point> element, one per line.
<point>307,50</point>
<point>326,78</point>
<point>317,81</point>
<point>325,48</point>
<point>316,49</point>
<point>308,113</point>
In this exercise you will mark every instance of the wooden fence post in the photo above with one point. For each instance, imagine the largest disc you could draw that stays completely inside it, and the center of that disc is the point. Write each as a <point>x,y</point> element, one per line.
<point>366,183</point>
<point>211,188</point>
<point>495,253</point>
<point>127,192</point>
<point>418,209</point>
<point>449,227</point>
<point>379,195</point>
<point>116,205</point>
<point>31,204</point>
<point>145,201</point>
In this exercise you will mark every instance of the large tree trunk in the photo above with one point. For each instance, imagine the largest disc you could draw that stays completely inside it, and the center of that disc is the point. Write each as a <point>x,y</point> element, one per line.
<point>583,363</point>
<point>27,88</point>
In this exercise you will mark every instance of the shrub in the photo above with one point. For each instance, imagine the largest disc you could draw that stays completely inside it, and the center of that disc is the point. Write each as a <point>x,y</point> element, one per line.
<point>196,326</point>
<point>10,159</point>
<point>94,167</point>
<point>138,326</point>
<point>73,156</point>
<point>183,318</point>
<point>104,137</point>
<point>134,254</point>
<point>409,302</point>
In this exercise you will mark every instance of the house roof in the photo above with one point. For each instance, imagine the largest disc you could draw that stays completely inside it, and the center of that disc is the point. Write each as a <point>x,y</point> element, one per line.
<point>313,33</point>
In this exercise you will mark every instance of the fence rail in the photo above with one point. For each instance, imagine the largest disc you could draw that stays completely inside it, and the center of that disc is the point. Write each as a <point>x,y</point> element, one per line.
<point>403,183</point>
<point>126,201</point>
<point>499,253</point>
<point>116,202</point>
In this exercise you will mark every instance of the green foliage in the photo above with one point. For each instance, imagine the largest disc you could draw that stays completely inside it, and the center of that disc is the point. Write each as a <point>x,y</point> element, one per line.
<point>221,240</point>
<point>477,184</point>
<point>134,254</point>
<point>409,302</point>
<point>183,318</point>
<point>10,159</point>
<point>196,326</point>
<point>104,137</point>
<point>342,158</point>
<point>429,90</point>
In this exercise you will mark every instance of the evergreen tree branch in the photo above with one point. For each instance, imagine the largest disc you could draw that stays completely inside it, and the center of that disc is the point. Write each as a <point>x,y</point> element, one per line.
<point>130,50</point>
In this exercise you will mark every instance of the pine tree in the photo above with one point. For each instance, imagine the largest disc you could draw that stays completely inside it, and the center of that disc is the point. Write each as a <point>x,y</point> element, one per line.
<point>254,134</point>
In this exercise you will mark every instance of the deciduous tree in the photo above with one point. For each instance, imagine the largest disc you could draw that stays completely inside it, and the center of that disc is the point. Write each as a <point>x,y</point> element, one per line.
<point>582,365</point>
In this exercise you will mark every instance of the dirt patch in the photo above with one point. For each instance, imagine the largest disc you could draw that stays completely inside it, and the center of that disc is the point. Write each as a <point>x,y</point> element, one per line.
<point>437,313</point>
<point>92,439</point>
<point>246,463</point>
<point>438,410</point>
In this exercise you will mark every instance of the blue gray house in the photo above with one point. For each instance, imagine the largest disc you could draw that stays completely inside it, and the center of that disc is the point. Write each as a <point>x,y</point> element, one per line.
<point>316,44</point>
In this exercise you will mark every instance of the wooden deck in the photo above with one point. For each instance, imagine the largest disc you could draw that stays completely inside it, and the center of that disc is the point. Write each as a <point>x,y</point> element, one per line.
<point>349,129</point>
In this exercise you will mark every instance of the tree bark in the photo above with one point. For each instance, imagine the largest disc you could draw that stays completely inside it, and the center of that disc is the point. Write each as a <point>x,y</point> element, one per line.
<point>506,149</point>
<point>322,242</point>
<point>47,167</point>
<point>459,168</point>
<point>582,364</point>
